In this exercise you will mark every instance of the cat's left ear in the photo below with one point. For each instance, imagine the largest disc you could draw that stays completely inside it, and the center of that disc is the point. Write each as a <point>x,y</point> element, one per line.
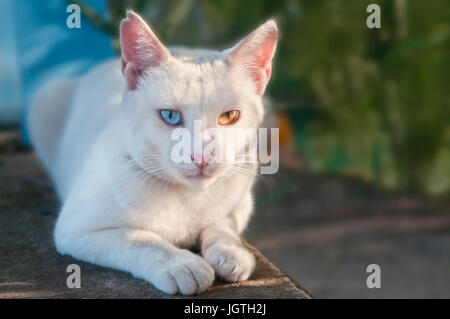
<point>141,49</point>
<point>255,53</point>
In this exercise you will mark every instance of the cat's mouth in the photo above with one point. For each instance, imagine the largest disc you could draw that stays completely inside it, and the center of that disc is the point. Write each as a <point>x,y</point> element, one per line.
<point>199,175</point>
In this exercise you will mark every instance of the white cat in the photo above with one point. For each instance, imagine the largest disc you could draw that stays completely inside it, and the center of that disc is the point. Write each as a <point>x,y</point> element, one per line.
<point>105,138</point>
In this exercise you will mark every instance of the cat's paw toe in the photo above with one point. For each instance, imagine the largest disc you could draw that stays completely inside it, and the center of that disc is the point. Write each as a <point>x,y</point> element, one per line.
<point>166,282</point>
<point>187,275</point>
<point>231,263</point>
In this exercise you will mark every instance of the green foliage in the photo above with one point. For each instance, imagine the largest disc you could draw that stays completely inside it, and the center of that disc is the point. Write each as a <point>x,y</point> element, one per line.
<point>377,100</point>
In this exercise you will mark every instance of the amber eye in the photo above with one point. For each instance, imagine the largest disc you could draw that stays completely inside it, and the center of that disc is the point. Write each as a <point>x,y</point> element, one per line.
<point>228,118</point>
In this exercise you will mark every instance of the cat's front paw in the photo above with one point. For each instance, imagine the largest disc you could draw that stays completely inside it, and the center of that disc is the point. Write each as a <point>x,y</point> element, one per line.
<point>231,263</point>
<point>186,273</point>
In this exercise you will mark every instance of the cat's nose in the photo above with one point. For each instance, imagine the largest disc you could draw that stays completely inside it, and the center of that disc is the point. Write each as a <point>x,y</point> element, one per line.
<point>200,162</point>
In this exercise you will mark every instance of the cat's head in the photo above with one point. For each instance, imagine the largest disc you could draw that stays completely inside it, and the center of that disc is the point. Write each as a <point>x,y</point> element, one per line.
<point>178,88</point>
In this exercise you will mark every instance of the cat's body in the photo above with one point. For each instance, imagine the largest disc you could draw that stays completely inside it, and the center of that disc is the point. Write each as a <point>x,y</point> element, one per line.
<point>125,205</point>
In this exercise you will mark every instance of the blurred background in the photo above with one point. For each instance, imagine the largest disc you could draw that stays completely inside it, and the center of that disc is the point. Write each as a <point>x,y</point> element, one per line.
<point>364,117</point>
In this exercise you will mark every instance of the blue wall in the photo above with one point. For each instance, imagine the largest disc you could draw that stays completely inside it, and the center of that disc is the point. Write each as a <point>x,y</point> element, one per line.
<point>36,45</point>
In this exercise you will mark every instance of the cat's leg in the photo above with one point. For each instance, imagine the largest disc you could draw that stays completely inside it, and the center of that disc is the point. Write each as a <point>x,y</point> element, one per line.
<point>222,247</point>
<point>142,253</point>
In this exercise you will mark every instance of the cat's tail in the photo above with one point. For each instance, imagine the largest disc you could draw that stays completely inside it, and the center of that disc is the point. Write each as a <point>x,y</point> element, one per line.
<point>47,116</point>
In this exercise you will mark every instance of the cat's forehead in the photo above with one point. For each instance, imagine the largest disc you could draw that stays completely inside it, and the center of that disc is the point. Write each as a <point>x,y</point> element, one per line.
<point>196,56</point>
<point>190,84</point>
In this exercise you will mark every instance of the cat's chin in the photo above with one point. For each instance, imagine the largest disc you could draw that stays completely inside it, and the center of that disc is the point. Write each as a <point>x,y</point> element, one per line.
<point>199,180</point>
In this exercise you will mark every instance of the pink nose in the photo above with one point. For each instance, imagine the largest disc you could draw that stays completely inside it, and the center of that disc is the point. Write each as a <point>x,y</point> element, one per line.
<point>201,163</point>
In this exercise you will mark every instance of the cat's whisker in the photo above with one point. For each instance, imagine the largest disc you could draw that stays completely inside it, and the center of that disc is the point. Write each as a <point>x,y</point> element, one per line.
<point>245,170</point>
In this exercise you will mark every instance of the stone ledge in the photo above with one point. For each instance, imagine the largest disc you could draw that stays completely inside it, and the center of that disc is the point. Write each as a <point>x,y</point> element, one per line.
<point>31,268</point>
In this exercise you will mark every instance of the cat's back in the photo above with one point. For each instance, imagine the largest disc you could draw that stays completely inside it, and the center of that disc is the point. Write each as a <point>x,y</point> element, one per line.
<point>97,97</point>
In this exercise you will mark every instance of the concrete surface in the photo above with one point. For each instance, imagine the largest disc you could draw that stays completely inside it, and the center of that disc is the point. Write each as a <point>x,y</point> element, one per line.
<point>31,268</point>
<point>322,231</point>
<point>325,230</point>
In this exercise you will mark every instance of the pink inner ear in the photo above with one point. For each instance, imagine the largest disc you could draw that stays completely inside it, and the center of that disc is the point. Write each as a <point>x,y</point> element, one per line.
<point>255,54</point>
<point>141,49</point>
<point>261,75</point>
<point>265,50</point>
<point>269,71</point>
<point>124,64</point>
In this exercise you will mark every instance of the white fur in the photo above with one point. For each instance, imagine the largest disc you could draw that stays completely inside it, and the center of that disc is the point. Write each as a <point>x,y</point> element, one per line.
<point>126,205</point>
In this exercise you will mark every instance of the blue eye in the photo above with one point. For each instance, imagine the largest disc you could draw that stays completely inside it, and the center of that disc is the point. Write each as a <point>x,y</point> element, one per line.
<point>171,117</point>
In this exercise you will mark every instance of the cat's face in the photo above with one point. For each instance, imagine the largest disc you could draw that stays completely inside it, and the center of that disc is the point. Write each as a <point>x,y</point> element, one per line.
<point>186,93</point>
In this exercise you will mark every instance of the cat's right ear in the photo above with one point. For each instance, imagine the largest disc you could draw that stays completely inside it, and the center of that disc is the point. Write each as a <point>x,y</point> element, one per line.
<point>141,49</point>
<point>254,54</point>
